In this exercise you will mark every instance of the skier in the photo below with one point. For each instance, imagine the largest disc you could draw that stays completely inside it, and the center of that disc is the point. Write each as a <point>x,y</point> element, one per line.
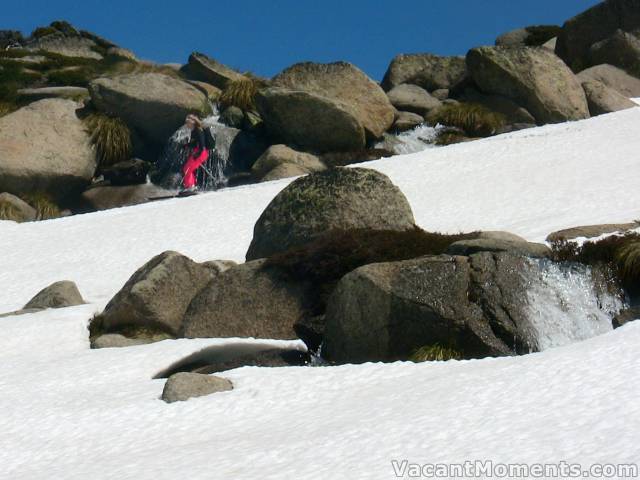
<point>197,154</point>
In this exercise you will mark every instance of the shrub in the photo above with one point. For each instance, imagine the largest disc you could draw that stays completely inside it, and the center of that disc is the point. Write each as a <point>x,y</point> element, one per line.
<point>43,32</point>
<point>111,138</point>
<point>72,77</point>
<point>474,119</point>
<point>242,93</point>
<point>326,260</point>
<point>436,353</point>
<point>44,204</point>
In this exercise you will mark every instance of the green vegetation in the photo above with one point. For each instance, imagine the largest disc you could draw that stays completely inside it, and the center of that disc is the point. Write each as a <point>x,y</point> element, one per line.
<point>44,204</point>
<point>474,119</point>
<point>111,138</point>
<point>242,93</point>
<point>43,32</point>
<point>436,353</point>
<point>326,260</point>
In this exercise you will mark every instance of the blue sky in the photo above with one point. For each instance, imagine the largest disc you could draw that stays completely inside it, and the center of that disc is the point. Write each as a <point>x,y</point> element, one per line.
<point>265,36</point>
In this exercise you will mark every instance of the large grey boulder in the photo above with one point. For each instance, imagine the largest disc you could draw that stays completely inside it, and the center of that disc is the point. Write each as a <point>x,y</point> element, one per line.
<point>247,300</point>
<point>594,25</point>
<point>153,103</point>
<point>278,155</point>
<point>431,72</point>
<point>346,84</point>
<point>183,386</point>
<point>157,294</point>
<point>602,99</point>
<point>532,77</point>
<point>67,46</point>
<point>613,77</point>
<point>309,121</point>
<point>44,146</point>
<point>386,311</point>
<point>622,50</point>
<point>411,98</point>
<point>206,69</point>
<point>18,209</point>
<point>340,198</point>
<point>57,295</point>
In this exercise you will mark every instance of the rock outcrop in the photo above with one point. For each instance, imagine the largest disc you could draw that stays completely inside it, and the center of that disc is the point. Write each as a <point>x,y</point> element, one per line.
<point>431,72</point>
<point>45,147</point>
<point>532,77</point>
<point>157,295</point>
<point>154,104</point>
<point>246,300</point>
<point>595,25</point>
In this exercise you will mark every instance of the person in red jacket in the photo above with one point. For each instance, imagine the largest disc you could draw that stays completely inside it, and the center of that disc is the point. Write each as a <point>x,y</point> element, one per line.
<point>198,153</point>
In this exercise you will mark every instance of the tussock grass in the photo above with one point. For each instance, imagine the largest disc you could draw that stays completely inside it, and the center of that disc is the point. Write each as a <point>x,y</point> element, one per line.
<point>474,119</point>
<point>324,261</point>
<point>44,204</point>
<point>6,108</point>
<point>111,138</point>
<point>628,261</point>
<point>242,93</point>
<point>450,138</point>
<point>436,353</point>
<point>9,212</point>
<point>621,254</point>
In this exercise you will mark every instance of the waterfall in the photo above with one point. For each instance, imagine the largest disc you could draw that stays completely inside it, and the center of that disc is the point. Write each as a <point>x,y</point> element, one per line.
<point>412,141</point>
<point>213,174</point>
<point>566,305</point>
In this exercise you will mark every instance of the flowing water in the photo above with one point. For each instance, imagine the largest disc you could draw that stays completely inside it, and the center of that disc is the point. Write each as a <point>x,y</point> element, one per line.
<point>212,175</point>
<point>566,305</point>
<point>412,141</point>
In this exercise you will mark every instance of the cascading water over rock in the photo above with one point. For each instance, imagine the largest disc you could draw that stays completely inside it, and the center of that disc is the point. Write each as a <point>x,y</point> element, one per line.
<point>565,303</point>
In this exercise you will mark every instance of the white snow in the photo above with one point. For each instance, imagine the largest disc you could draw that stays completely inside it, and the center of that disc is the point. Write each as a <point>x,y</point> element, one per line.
<point>69,412</point>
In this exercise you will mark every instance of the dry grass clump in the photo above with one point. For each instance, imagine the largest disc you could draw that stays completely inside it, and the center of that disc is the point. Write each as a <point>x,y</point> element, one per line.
<point>9,212</point>
<point>474,119</point>
<point>436,353</point>
<point>111,137</point>
<point>620,253</point>
<point>242,93</point>
<point>44,204</point>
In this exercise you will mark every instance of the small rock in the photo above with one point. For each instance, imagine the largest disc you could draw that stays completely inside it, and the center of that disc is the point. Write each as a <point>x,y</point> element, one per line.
<point>183,386</point>
<point>57,295</point>
<point>414,99</point>
<point>281,155</point>
<point>115,340</point>
<point>469,247</point>
<point>407,121</point>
